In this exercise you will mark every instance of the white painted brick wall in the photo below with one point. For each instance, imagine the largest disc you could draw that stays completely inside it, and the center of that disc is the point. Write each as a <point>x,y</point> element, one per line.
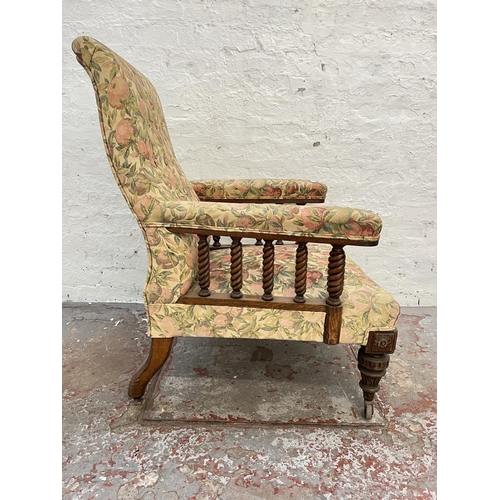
<point>248,86</point>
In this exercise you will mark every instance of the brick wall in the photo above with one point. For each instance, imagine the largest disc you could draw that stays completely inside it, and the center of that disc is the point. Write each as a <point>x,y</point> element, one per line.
<point>343,92</point>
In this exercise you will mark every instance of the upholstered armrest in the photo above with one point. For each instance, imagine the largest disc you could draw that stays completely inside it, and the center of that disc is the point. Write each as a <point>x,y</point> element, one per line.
<point>339,225</point>
<point>260,190</point>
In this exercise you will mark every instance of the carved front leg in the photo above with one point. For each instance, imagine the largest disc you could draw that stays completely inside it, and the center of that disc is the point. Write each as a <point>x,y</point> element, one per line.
<point>373,360</point>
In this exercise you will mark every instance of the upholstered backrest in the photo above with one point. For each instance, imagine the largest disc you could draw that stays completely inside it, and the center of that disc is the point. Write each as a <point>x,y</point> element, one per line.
<point>134,130</point>
<point>143,162</point>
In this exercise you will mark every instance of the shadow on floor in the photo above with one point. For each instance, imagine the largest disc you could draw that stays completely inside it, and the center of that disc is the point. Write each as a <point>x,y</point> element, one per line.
<point>243,419</point>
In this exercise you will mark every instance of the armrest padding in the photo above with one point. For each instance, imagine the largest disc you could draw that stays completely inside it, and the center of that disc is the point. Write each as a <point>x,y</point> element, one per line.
<point>260,189</point>
<point>313,222</point>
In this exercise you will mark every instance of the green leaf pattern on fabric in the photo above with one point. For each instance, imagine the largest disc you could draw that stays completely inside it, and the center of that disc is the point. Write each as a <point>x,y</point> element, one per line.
<point>313,220</point>
<point>143,162</point>
<point>366,306</point>
<point>255,189</point>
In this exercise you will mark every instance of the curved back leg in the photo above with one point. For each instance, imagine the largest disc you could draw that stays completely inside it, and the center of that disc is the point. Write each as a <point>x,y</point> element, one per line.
<point>158,354</point>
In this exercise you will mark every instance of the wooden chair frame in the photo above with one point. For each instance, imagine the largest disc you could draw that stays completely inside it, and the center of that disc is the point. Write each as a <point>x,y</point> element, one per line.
<point>373,359</point>
<point>118,106</point>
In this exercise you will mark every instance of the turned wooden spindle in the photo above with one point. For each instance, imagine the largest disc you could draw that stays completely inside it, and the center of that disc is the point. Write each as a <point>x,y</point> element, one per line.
<point>258,243</point>
<point>300,273</point>
<point>236,268</point>
<point>268,270</point>
<point>336,268</point>
<point>216,241</point>
<point>203,265</point>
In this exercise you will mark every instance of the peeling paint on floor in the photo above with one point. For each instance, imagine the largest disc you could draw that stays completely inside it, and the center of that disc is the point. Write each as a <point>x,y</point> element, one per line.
<point>111,451</point>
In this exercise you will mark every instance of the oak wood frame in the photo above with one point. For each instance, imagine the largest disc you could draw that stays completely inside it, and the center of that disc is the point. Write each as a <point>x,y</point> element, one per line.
<point>313,238</point>
<point>158,353</point>
<point>332,305</point>
<point>373,358</point>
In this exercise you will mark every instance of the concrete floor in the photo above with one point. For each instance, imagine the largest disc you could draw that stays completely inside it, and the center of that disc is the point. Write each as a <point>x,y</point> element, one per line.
<point>201,431</point>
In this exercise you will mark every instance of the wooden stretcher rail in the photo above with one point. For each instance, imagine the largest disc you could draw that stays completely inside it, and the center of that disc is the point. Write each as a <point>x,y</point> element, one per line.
<point>224,299</point>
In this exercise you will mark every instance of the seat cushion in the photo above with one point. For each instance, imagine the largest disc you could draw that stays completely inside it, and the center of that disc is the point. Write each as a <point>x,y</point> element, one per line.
<point>366,306</point>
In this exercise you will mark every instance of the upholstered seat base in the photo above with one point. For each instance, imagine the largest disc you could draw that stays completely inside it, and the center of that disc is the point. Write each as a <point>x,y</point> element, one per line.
<point>366,306</point>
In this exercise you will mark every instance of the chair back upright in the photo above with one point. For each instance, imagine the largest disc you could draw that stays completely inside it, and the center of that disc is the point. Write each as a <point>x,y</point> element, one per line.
<point>142,160</point>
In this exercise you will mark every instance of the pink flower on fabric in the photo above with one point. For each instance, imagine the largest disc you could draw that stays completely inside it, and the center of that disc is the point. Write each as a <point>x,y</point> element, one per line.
<point>205,220</point>
<point>235,312</point>
<point>163,259</point>
<point>287,322</point>
<point>191,255</point>
<point>142,185</point>
<point>317,189</point>
<point>276,222</point>
<point>167,295</point>
<point>144,206</point>
<point>292,188</point>
<point>169,324</point>
<point>185,287</point>
<point>145,149</point>
<point>313,277</point>
<point>356,229</point>
<point>202,331</point>
<point>241,186</point>
<point>245,221</point>
<point>200,187</point>
<point>217,275</point>
<point>173,177</point>
<point>153,292</point>
<point>312,218</point>
<point>271,191</point>
<point>118,90</point>
<point>221,320</point>
<point>124,132</point>
<point>152,236</point>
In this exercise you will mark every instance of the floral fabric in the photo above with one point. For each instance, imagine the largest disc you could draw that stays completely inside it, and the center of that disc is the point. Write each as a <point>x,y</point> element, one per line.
<point>143,162</point>
<point>258,189</point>
<point>312,221</point>
<point>366,306</point>
<point>134,130</point>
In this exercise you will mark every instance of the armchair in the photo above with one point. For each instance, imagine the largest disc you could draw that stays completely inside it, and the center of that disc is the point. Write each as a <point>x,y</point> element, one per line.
<point>305,291</point>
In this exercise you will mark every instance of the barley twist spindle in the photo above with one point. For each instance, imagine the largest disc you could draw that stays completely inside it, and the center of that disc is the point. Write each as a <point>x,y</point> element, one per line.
<point>236,268</point>
<point>336,268</point>
<point>300,273</point>
<point>268,270</point>
<point>203,266</point>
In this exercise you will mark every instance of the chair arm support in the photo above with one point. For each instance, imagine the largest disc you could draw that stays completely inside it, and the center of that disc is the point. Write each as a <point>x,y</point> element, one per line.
<point>260,190</point>
<point>335,225</point>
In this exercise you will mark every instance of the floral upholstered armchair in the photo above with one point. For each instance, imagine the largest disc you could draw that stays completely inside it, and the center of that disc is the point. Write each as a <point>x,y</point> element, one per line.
<point>308,290</point>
